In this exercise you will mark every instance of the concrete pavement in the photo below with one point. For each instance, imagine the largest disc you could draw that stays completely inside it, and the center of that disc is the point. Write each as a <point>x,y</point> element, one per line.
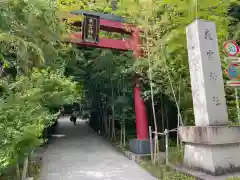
<point>78,153</point>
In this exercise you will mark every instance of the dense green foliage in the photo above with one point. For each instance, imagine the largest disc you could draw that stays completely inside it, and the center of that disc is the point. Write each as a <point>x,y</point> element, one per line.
<point>107,79</point>
<point>24,107</point>
<point>164,42</point>
<point>30,34</point>
<point>32,84</point>
<point>36,62</point>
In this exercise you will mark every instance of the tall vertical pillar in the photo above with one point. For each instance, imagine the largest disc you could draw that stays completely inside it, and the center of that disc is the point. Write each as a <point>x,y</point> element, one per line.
<point>140,113</point>
<point>141,144</point>
<point>211,145</point>
<point>140,109</point>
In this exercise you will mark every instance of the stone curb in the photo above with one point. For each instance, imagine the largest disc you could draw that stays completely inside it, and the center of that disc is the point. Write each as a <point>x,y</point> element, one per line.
<point>127,154</point>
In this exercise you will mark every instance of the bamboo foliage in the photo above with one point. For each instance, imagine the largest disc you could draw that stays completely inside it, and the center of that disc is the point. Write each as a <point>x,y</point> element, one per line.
<point>30,44</point>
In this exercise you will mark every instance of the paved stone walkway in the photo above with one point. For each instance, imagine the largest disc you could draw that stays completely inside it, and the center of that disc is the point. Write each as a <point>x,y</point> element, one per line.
<point>77,153</point>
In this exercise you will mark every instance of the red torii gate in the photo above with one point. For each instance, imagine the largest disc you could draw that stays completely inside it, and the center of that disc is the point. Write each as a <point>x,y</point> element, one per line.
<point>133,44</point>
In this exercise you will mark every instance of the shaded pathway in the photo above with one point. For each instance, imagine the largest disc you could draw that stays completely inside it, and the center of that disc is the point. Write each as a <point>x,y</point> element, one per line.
<point>77,153</point>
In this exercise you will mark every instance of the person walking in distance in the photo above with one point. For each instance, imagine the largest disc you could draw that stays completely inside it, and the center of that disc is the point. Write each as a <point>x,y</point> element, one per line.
<point>74,115</point>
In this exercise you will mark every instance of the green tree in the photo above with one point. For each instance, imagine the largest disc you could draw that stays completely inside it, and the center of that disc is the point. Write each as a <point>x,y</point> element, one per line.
<point>25,106</point>
<point>164,41</point>
<point>31,44</point>
<point>31,34</point>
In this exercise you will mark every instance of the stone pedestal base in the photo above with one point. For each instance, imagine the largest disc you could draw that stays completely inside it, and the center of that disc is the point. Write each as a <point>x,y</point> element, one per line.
<point>214,150</point>
<point>140,146</point>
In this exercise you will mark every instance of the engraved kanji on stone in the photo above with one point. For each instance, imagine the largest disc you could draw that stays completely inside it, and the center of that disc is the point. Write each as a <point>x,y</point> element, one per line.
<point>210,54</point>
<point>208,35</point>
<point>216,100</point>
<point>212,76</point>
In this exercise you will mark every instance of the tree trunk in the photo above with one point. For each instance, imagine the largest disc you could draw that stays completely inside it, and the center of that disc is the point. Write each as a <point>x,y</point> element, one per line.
<point>113,130</point>
<point>25,168</point>
<point>113,116</point>
<point>18,173</point>
<point>109,127</point>
<point>124,134</point>
<point>121,136</point>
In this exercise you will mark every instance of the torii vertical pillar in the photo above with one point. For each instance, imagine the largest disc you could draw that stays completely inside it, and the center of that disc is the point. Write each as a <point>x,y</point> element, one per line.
<point>140,113</point>
<point>211,146</point>
<point>141,144</point>
<point>140,108</point>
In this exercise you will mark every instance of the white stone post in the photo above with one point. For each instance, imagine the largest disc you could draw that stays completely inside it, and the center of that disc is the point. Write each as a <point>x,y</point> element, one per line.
<point>210,146</point>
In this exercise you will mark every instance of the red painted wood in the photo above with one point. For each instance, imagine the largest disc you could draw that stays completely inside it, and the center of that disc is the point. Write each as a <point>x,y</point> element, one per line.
<point>113,26</point>
<point>140,108</point>
<point>135,43</point>
<point>105,43</point>
<point>125,45</point>
<point>141,115</point>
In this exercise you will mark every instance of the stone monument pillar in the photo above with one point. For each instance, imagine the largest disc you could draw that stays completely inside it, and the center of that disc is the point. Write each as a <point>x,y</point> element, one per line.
<point>211,145</point>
